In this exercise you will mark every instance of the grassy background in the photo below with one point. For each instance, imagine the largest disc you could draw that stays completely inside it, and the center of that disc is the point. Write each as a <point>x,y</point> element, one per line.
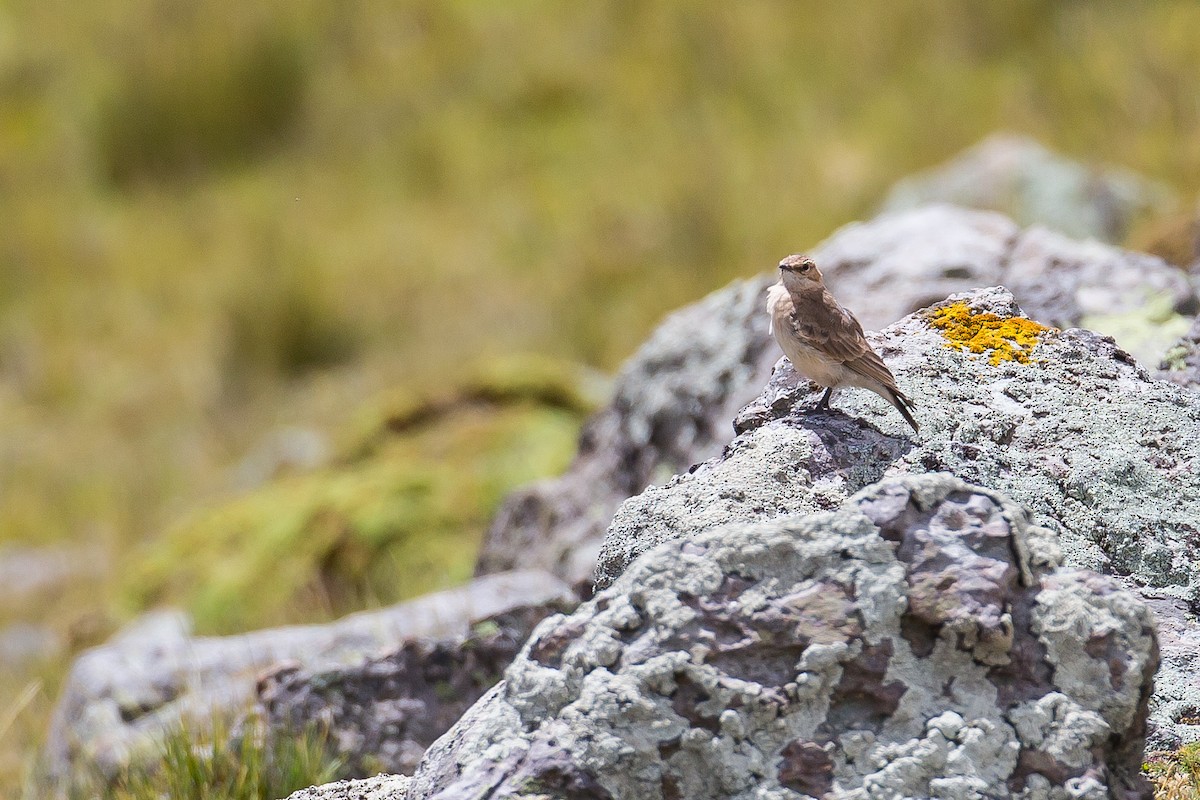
<point>217,219</point>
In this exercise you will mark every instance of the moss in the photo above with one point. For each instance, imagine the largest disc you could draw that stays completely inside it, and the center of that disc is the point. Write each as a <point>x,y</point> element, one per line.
<point>1005,339</point>
<point>396,520</point>
<point>1146,330</point>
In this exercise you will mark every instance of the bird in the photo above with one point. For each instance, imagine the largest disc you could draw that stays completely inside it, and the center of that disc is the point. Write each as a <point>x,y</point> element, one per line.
<point>823,340</point>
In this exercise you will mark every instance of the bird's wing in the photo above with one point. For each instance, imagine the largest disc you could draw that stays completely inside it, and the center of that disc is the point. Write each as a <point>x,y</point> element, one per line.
<point>834,331</point>
<point>872,366</point>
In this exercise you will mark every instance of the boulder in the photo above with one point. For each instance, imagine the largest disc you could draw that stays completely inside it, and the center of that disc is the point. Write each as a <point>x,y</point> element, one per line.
<point>1175,720</point>
<point>121,699</point>
<point>1064,422</point>
<point>899,263</point>
<point>1016,175</point>
<point>671,407</point>
<point>923,640</point>
<point>381,713</point>
<point>1181,363</point>
<point>674,398</point>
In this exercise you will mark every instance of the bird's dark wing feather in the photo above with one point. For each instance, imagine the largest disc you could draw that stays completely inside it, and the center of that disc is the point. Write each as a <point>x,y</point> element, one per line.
<point>834,331</point>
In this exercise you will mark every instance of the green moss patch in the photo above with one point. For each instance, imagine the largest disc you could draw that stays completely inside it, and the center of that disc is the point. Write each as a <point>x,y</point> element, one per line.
<point>402,515</point>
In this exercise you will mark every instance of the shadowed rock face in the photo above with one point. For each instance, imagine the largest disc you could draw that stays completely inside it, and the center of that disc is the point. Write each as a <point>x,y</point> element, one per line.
<point>671,407</point>
<point>382,713</point>
<point>120,700</point>
<point>920,641</point>
<point>675,397</point>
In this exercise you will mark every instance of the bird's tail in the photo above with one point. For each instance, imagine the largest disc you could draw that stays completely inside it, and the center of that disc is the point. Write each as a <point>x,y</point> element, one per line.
<point>904,406</point>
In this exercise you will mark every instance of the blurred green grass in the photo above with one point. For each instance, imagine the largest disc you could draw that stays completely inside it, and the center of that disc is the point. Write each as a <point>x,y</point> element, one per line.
<point>217,219</point>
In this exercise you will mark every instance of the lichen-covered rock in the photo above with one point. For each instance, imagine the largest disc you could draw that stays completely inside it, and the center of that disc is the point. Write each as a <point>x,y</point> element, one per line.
<point>381,787</point>
<point>675,397</point>
<point>1100,452</point>
<point>1181,363</point>
<point>671,407</point>
<point>921,641</point>
<point>1141,301</point>
<point>381,713</point>
<point>1080,433</point>
<point>1176,699</point>
<point>901,262</point>
<point>1018,176</point>
<point>121,699</point>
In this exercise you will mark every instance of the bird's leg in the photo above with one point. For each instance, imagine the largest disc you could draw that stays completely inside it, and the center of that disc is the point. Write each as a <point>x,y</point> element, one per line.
<point>824,404</point>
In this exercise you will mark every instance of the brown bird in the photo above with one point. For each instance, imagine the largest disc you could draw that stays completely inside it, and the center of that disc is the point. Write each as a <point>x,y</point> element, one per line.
<point>824,341</point>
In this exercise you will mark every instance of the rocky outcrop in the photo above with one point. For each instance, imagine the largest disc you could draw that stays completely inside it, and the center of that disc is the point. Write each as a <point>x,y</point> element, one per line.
<point>675,397</point>
<point>122,698</point>
<point>381,713</point>
<point>921,641</point>
<point>671,407</point>
<point>1064,422</point>
<point>899,263</point>
<point>1016,175</point>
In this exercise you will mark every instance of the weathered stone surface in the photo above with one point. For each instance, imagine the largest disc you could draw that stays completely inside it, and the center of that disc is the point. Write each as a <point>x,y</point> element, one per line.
<point>671,407</point>
<point>1176,700</point>
<point>899,263</point>
<point>120,698</point>
<point>1181,363</point>
<point>1016,175</point>
<point>675,397</point>
<point>382,713</point>
<point>1140,300</point>
<point>921,641</point>
<point>381,787</point>
<point>1103,454</point>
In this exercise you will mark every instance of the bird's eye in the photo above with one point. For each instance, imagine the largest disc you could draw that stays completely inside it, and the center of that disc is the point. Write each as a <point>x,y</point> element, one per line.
<point>804,265</point>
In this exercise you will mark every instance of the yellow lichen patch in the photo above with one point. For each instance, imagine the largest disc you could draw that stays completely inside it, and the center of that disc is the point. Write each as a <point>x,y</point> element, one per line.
<point>1010,339</point>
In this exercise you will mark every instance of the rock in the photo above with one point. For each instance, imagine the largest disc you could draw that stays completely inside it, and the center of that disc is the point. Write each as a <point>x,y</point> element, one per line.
<point>383,712</point>
<point>1064,422</point>
<point>676,394</point>
<point>121,698</point>
<point>1181,363</point>
<point>1176,700</point>
<point>899,263</point>
<point>1018,176</point>
<point>1141,301</point>
<point>671,407</point>
<point>381,787</point>
<point>397,512</point>
<point>921,641</point>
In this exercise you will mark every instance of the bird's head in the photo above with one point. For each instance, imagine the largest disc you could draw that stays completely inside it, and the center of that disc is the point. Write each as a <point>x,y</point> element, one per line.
<point>799,273</point>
